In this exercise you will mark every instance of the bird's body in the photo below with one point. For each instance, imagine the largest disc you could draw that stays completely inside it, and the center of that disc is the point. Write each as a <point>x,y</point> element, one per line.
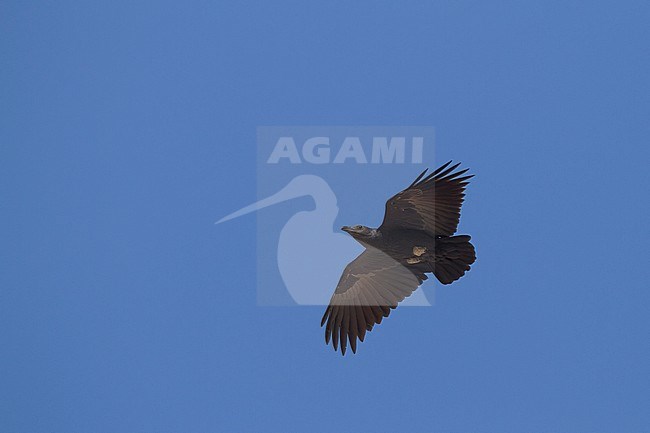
<point>415,249</point>
<point>416,237</point>
<point>399,243</point>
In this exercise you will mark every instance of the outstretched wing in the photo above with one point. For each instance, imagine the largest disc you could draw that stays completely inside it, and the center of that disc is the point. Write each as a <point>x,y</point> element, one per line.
<point>430,203</point>
<point>371,285</point>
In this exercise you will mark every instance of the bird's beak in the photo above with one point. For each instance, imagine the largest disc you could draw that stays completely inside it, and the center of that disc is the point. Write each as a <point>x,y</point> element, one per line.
<point>282,195</point>
<point>345,229</point>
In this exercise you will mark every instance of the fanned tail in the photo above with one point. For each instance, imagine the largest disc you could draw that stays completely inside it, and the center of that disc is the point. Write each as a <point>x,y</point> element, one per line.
<point>453,258</point>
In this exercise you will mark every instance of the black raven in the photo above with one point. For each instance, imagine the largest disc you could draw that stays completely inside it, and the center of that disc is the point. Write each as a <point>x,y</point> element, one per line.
<point>416,237</point>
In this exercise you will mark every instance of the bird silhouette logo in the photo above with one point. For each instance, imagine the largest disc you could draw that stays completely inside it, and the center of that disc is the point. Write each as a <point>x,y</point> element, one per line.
<point>309,273</point>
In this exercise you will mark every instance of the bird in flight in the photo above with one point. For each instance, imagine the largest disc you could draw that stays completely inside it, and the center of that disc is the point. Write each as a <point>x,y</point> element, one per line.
<point>416,237</point>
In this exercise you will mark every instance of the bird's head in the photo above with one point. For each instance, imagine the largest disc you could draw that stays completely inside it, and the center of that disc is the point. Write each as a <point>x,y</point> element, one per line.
<point>359,232</point>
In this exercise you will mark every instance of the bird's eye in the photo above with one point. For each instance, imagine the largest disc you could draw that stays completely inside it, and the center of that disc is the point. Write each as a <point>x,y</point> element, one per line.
<point>357,227</point>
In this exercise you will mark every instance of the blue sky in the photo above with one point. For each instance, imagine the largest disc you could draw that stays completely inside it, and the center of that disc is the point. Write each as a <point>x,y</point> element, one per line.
<point>128,128</point>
